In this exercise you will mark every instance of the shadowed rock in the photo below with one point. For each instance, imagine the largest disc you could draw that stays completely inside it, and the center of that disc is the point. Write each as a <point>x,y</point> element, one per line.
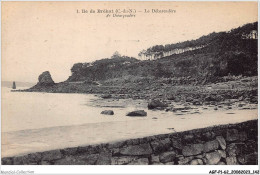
<point>156,103</point>
<point>232,135</point>
<point>191,150</point>
<point>45,79</point>
<point>211,145</point>
<point>167,156</point>
<point>161,145</point>
<point>140,113</point>
<point>221,142</point>
<point>108,112</point>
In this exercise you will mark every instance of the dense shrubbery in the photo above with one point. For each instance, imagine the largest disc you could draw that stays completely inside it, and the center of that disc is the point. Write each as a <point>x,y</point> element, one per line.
<point>226,53</point>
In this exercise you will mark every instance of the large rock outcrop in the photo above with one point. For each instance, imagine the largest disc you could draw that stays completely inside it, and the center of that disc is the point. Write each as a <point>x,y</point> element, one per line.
<point>45,79</point>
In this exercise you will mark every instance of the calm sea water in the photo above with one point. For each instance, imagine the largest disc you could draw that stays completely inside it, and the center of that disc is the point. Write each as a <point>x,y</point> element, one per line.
<point>43,121</point>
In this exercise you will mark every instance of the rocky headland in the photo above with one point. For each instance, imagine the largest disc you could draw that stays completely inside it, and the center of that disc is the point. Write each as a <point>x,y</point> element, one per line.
<point>218,74</point>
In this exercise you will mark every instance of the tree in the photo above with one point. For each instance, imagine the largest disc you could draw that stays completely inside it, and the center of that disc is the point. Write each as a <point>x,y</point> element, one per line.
<point>116,55</point>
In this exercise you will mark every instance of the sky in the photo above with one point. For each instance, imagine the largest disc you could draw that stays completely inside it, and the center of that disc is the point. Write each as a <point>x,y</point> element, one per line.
<point>41,36</point>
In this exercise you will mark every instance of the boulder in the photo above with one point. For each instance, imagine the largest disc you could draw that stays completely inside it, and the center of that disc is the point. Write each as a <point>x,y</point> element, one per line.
<point>167,156</point>
<point>155,159</point>
<point>232,135</point>
<point>184,161</point>
<point>207,136</point>
<point>45,79</point>
<point>108,112</point>
<point>196,162</point>
<point>161,145</point>
<point>155,104</point>
<point>200,156</point>
<point>222,153</point>
<point>232,150</point>
<point>213,158</point>
<point>191,150</point>
<point>241,159</point>
<point>189,138</point>
<point>137,113</point>
<point>177,143</point>
<point>231,160</point>
<point>221,142</point>
<point>211,145</point>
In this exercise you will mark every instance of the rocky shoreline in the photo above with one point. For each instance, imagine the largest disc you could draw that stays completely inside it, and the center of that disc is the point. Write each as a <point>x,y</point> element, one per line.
<point>162,93</point>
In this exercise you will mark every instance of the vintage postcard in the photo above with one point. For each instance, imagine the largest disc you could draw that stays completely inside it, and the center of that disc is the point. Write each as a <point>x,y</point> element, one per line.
<point>129,83</point>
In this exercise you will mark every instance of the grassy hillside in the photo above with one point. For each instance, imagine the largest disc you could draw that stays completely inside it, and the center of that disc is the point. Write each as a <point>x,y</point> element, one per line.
<point>226,53</point>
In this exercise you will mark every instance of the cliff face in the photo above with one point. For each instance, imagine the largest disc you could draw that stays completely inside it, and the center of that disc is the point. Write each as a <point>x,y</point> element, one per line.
<point>204,59</point>
<point>102,69</point>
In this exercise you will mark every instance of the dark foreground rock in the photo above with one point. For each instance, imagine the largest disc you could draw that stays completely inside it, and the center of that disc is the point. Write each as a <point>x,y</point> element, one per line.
<point>155,104</point>
<point>108,112</point>
<point>139,113</point>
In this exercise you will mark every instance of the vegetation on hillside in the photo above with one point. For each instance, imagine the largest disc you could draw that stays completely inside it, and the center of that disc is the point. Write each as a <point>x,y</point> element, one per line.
<point>226,53</point>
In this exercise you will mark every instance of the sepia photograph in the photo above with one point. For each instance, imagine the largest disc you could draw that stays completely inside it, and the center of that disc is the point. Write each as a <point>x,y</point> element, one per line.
<point>130,83</point>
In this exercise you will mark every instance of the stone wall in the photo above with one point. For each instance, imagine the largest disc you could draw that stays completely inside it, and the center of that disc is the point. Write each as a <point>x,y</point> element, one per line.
<point>219,145</point>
